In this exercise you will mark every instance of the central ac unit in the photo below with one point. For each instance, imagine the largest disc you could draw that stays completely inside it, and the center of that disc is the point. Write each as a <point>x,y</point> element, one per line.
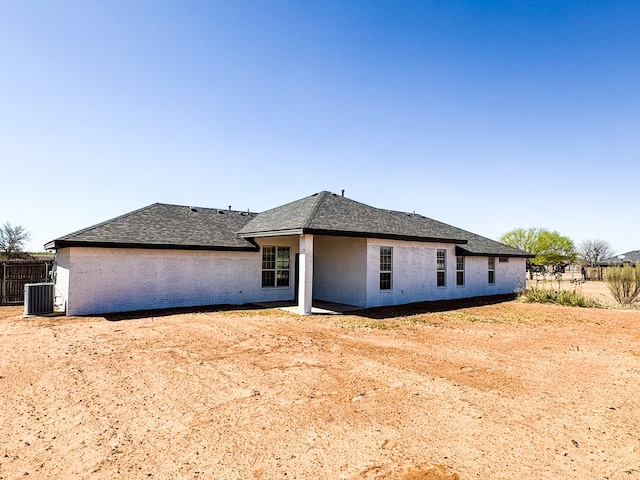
<point>38,298</point>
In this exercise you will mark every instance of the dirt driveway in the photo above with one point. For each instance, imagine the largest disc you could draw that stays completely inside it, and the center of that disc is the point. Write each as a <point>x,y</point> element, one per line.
<point>504,391</point>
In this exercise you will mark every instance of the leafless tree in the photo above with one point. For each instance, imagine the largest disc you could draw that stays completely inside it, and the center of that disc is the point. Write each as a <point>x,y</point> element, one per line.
<point>12,239</point>
<point>594,251</point>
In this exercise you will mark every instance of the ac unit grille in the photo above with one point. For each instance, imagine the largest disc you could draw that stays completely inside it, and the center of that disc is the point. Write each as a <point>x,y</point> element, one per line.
<point>38,298</point>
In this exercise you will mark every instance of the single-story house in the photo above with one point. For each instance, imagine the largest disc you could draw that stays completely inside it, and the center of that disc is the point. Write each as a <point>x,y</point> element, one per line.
<point>630,258</point>
<point>323,247</point>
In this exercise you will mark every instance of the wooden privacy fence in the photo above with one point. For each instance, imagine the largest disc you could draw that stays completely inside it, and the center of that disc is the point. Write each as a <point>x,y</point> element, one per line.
<point>15,274</point>
<point>594,273</point>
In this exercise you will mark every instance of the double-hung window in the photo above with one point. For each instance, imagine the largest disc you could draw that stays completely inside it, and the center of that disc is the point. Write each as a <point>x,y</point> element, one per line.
<point>492,270</point>
<point>386,267</point>
<point>459,270</point>
<point>275,266</point>
<point>441,268</point>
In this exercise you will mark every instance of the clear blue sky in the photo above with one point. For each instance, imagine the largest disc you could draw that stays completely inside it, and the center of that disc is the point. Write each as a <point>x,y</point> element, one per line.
<point>488,115</point>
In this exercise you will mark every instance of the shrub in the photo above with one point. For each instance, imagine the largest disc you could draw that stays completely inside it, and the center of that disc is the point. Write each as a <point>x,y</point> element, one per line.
<point>566,298</point>
<point>624,283</point>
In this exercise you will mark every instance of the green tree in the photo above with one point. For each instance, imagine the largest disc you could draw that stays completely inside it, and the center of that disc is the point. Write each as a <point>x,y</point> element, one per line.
<point>549,247</point>
<point>12,239</point>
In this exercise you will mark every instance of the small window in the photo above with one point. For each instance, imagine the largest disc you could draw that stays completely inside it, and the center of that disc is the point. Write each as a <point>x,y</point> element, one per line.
<point>503,260</point>
<point>441,268</point>
<point>459,271</point>
<point>275,266</point>
<point>386,265</point>
<point>492,270</point>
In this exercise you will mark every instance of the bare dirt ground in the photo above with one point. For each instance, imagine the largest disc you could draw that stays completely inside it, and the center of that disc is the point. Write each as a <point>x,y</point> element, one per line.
<point>500,391</point>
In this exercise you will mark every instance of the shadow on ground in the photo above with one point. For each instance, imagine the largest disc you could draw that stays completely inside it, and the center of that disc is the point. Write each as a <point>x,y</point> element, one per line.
<point>165,312</point>
<point>378,313</point>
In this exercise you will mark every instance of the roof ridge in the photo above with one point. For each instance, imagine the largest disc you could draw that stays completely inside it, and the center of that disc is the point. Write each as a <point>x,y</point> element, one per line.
<point>321,198</point>
<point>200,207</point>
<point>119,217</point>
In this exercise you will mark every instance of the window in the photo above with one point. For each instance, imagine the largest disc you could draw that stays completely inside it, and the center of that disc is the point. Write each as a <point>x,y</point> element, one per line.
<point>386,262</point>
<point>275,266</point>
<point>441,268</point>
<point>503,259</point>
<point>459,270</point>
<point>492,270</point>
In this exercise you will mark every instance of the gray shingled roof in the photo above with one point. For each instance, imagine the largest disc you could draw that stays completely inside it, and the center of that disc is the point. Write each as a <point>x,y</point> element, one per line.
<point>483,246</point>
<point>632,257</point>
<point>166,226</point>
<point>330,214</point>
<point>325,213</point>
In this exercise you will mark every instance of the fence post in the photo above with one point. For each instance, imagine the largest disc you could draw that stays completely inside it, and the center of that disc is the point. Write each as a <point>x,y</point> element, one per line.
<point>3,292</point>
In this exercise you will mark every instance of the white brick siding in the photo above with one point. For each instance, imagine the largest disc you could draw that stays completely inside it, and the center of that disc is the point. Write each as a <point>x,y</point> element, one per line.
<point>340,264</point>
<point>414,274</point>
<point>99,280</point>
<point>346,270</point>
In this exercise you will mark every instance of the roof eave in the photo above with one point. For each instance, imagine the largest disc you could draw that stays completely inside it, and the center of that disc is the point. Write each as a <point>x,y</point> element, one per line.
<point>384,236</point>
<point>272,233</point>
<point>59,244</point>
<point>349,233</point>
<point>468,253</point>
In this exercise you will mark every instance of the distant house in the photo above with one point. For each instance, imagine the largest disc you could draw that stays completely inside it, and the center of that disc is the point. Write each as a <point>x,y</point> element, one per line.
<point>630,258</point>
<point>322,247</point>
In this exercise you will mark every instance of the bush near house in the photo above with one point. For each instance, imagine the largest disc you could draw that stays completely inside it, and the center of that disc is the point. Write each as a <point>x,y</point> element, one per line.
<point>624,283</point>
<point>567,298</point>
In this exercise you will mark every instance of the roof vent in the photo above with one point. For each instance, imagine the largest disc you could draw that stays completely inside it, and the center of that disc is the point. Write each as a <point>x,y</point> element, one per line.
<point>193,209</point>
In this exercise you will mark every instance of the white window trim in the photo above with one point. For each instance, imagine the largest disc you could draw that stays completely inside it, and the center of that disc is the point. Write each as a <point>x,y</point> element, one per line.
<point>390,272</point>
<point>275,270</point>
<point>444,270</point>
<point>491,268</point>
<point>460,270</point>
